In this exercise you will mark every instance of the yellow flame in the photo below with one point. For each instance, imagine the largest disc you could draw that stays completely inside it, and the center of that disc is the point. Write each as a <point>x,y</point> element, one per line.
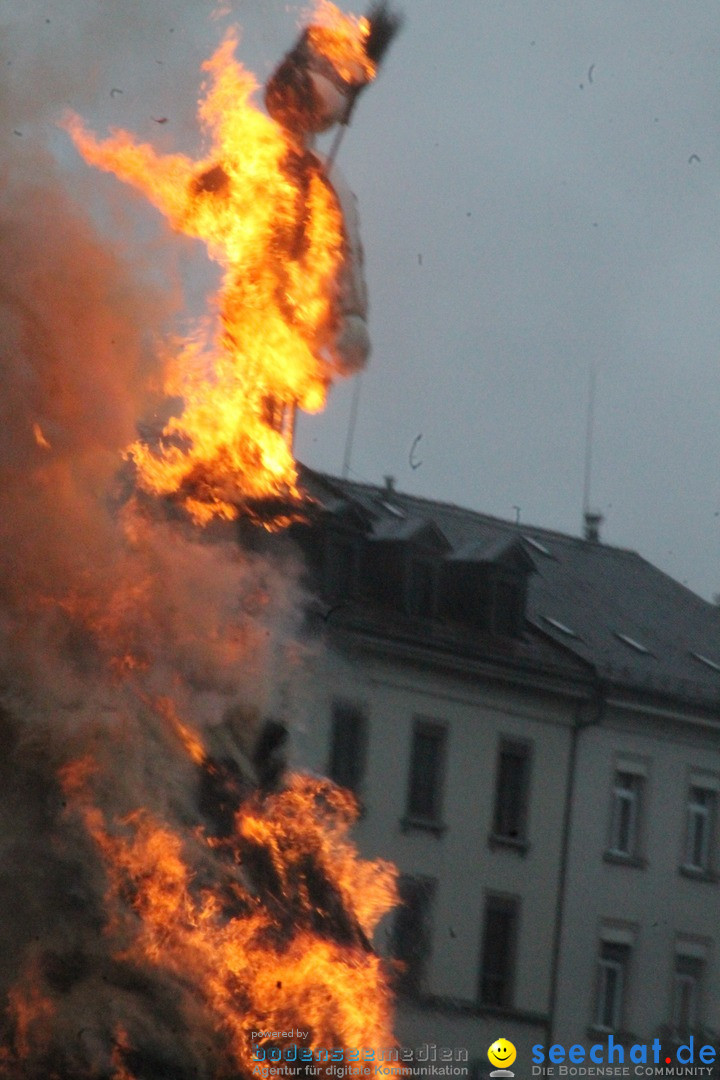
<point>270,218</point>
<point>341,39</point>
<point>40,438</point>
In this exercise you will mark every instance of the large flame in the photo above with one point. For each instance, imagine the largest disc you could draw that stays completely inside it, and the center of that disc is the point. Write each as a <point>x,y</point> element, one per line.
<point>171,895</point>
<point>263,206</point>
<point>278,941</point>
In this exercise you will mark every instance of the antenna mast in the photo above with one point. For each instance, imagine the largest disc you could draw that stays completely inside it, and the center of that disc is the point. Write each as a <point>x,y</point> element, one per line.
<point>589,433</point>
<point>592,519</point>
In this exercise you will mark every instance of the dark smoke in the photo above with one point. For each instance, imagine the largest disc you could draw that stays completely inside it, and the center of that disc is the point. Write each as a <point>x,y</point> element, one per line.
<point>385,24</point>
<point>107,608</point>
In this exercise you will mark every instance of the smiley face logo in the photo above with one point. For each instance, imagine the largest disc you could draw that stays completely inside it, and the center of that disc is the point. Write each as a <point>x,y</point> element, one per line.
<point>502,1053</point>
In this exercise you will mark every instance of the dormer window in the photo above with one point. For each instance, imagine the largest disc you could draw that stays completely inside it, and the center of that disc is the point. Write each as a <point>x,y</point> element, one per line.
<point>402,567</point>
<point>339,566</point>
<point>486,587</point>
<point>422,586</point>
<point>508,606</point>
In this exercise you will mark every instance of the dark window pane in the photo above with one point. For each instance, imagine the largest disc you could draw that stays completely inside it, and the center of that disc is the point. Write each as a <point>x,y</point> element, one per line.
<point>511,795</point>
<point>498,951</point>
<point>412,931</point>
<point>507,608</point>
<point>612,971</point>
<point>625,817</point>
<point>701,807</point>
<point>348,746</point>
<point>686,994</point>
<point>611,996</point>
<point>421,588</point>
<point>339,570</point>
<point>426,772</point>
<point>627,798</point>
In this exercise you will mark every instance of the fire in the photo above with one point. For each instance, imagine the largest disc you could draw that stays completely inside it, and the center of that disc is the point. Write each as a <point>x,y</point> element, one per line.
<point>182,892</point>
<point>342,41</point>
<point>279,939</point>
<point>40,437</point>
<point>263,206</point>
<point>30,1008</point>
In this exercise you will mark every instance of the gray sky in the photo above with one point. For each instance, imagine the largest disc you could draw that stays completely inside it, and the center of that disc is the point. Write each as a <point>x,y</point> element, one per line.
<point>539,185</point>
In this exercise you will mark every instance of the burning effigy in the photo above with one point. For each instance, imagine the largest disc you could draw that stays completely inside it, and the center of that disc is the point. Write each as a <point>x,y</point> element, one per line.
<point>171,897</point>
<point>292,303</point>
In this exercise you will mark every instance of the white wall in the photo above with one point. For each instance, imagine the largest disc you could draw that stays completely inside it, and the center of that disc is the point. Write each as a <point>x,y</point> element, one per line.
<point>477,715</point>
<point>656,899</point>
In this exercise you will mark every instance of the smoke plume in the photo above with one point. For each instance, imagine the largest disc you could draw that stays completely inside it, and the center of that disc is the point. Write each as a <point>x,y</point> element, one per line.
<point>159,894</point>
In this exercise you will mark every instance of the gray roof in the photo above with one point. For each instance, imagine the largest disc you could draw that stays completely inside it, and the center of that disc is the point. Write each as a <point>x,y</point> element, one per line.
<point>606,606</point>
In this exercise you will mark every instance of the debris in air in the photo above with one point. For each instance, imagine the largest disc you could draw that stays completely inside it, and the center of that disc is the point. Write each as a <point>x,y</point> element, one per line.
<point>414,463</point>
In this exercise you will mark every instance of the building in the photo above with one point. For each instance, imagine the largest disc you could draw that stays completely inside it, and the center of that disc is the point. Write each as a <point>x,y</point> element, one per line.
<point>531,722</point>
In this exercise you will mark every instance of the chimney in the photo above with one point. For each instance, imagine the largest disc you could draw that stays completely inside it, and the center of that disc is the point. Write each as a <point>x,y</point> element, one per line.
<point>592,520</point>
<point>389,484</point>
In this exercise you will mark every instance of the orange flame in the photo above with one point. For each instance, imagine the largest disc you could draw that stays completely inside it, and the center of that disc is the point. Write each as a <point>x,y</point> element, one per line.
<point>341,40</point>
<point>40,438</point>
<point>121,1043</point>
<point>30,1009</point>
<point>268,919</point>
<point>258,965</point>
<point>269,217</point>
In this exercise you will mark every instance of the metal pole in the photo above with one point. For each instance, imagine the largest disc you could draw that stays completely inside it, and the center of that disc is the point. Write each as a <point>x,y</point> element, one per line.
<point>351,428</point>
<point>589,433</point>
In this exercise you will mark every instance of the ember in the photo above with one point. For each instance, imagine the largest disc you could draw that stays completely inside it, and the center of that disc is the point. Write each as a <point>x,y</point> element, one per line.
<point>168,891</point>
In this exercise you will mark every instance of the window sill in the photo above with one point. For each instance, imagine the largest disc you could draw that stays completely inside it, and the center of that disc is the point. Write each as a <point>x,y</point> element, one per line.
<point>621,858</point>
<point>696,874</point>
<point>423,825</point>
<point>511,843</point>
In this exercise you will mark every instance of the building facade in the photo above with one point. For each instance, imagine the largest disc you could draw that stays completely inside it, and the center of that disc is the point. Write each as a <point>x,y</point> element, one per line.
<point>531,723</point>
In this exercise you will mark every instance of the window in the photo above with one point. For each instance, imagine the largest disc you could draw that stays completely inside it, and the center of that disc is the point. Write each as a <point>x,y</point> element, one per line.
<point>499,944</point>
<point>537,546</point>
<point>411,939</point>
<point>633,644</point>
<point>339,571</point>
<point>626,809</point>
<point>427,768</point>
<point>511,791</point>
<point>508,608</point>
<point>700,828</point>
<point>613,964</point>
<point>712,664</point>
<point>422,587</point>
<point>485,596</point>
<point>348,746</point>
<point>687,984</point>
<point>561,626</point>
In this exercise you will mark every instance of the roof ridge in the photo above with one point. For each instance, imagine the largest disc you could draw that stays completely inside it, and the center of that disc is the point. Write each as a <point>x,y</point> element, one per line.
<point>468,512</point>
<point>615,600</point>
